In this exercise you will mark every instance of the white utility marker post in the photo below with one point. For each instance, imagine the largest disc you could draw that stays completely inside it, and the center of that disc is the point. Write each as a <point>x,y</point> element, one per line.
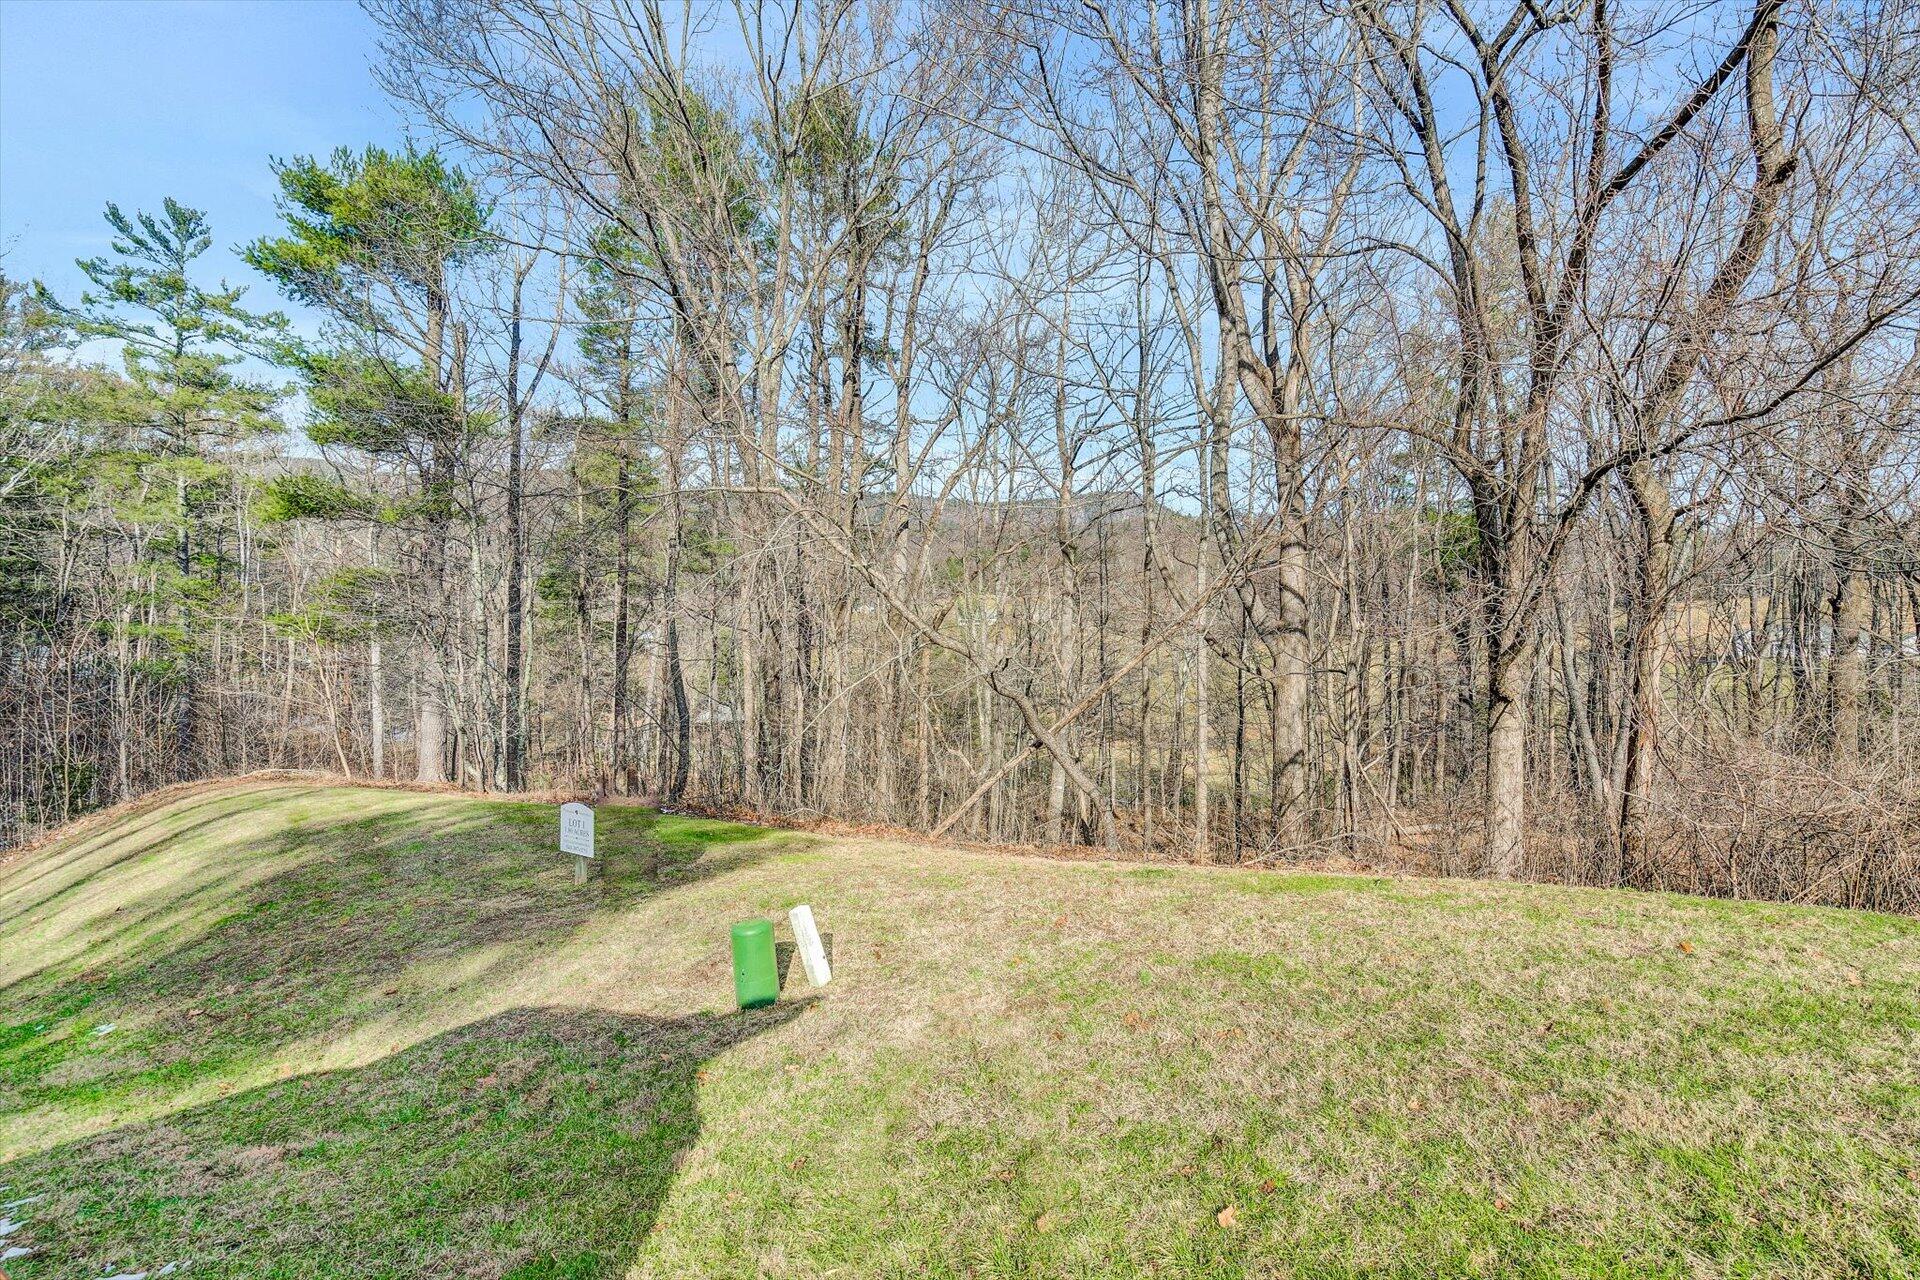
<point>576,838</point>
<point>806,936</point>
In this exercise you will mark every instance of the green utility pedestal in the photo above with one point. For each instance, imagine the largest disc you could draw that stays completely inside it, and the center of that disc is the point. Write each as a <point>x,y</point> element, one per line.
<point>756,977</point>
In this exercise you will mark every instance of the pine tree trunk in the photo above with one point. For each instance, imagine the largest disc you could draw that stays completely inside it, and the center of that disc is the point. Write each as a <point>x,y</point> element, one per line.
<point>376,707</point>
<point>430,715</point>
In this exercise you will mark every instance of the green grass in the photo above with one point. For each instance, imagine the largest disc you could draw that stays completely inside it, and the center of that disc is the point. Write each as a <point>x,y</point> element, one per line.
<point>378,1033</point>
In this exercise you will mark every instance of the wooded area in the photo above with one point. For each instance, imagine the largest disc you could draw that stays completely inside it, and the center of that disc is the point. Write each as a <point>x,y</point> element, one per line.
<point>1470,436</point>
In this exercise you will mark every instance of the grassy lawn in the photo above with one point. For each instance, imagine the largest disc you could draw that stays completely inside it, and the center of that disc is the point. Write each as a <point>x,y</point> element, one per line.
<point>274,1030</point>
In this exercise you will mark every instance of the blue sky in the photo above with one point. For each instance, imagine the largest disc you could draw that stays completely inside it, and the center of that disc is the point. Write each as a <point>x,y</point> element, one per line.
<point>133,100</point>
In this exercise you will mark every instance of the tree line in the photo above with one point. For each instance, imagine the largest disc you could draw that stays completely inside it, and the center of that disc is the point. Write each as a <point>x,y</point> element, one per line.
<point>1477,437</point>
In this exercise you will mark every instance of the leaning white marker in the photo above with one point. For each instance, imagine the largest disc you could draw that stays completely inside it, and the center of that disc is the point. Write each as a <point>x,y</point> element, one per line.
<point>806,936</point>
<point>576,838</point>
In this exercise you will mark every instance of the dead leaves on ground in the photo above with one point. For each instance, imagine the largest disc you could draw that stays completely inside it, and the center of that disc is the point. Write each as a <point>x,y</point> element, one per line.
<point>1226,1217</point>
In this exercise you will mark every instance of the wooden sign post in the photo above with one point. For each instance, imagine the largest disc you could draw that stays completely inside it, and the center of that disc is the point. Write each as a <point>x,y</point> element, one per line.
<point>576,838</point>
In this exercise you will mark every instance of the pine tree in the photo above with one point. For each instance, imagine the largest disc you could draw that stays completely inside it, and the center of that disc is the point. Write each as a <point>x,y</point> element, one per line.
<point>373,239</point>
<point>186,400</point>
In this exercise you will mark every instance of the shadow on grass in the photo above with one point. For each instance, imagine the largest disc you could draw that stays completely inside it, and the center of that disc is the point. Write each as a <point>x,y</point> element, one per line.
<point>104,853</point>
<point>316,948</point>
<point>536,1144</point>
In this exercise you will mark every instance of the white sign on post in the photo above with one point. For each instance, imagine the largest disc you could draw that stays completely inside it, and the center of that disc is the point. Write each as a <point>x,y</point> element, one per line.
<point>576,830</point>
<point>806,936</point>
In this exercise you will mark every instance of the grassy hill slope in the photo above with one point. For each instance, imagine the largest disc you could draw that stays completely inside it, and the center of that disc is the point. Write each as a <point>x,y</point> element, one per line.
<point>277,1030</point>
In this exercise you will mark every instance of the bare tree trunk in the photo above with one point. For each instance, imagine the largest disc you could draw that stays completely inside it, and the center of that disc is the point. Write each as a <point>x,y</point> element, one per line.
<point>1056,802</point>
<point>376,707</point>
<point>1509,677</point>
<point>431,732</point>
<point>1202,747</point>
<point>1846,680</point>
<point>1290,686</point>
<point>514,672</point>
<point>675,711</point>
<point>1653,521</point>
<point>620,731</point>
